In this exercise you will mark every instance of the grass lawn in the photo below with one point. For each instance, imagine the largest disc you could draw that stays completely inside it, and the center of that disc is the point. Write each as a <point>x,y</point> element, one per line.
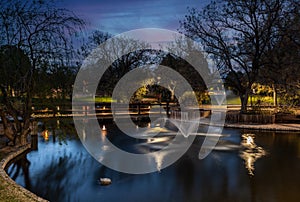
<point>104,99</point>
<point>97,99</point>
<point>235,100</point>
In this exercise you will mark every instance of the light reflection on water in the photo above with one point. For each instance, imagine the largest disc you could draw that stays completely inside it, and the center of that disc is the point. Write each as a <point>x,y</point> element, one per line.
<point>66,172</point>
<point>250,152</point>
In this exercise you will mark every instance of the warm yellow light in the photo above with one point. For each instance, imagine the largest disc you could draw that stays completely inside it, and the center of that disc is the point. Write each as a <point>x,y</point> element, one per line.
<point>251,152</point>
<point>46,135</point>
<point>103,128</point>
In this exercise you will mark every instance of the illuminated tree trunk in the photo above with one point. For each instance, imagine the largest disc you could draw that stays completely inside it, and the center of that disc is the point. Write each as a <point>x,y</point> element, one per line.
<point>244,101</point>
<point>275,95</point>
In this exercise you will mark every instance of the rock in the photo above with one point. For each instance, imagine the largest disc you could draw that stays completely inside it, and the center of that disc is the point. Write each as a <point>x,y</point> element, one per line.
<point>105,181</point>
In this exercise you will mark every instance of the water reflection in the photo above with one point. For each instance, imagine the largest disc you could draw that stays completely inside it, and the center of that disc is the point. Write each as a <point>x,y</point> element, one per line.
<point>72,174</point>
<point>34,142</point>
<point>45,135</point>
<point>251,153</point>
<point>104,147</point>
<point>21,168</point>
<point>159,159</point>
<point>55,129</point>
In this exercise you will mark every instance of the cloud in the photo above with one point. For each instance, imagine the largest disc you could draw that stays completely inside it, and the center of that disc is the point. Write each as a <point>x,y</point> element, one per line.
<point>116,16</point>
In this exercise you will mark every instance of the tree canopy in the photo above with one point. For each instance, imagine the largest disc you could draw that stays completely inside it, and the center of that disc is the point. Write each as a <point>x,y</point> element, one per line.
<point>33,35</point>
<point>238,35</point>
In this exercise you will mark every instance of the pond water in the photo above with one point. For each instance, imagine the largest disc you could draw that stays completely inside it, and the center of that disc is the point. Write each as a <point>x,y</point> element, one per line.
<point>64,171</point>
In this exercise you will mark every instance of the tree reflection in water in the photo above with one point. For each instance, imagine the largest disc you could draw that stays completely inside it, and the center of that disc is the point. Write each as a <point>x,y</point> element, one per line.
<point>55,172</point>
<point>21,165</point>
<point>68,173</point>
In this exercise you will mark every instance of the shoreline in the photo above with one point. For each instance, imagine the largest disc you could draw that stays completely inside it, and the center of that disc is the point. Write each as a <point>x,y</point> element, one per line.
<point>10,190</point>
<point>284,127</point>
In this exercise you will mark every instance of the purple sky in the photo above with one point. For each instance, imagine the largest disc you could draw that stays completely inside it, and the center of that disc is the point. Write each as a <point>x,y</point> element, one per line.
<point>117,16</point>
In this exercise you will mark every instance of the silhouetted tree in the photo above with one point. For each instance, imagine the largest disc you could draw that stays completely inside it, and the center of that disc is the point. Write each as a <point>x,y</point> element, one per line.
<point>108,52</point>
<point>282,63</point>
<point>237,35</point>
<point>185,70</point>
<point>42,33</point>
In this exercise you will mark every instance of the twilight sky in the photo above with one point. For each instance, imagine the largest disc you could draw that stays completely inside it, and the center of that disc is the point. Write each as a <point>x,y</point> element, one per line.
<point>117,16</point>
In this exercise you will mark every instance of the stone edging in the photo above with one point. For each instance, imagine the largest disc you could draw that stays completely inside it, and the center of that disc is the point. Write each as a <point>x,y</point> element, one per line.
<point>265,127</point>
<point>261,127</point>
<point>20,189</point>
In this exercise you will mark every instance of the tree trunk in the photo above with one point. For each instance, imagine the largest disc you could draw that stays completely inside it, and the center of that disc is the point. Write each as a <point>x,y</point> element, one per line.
<point>21,140</point>
<point>172,95</point>
<point>8,132</point>
<point>275,95</point>
<point>172,91</point>
<point>244,101</point>
<point>17,137</point>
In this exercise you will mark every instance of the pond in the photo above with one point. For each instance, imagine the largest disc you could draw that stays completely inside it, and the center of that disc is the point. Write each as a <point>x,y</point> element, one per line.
<point>65,171</point>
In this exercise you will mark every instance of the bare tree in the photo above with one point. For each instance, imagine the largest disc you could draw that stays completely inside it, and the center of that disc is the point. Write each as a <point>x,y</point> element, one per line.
<point>187,71</point>
<point>42,33</point>
<point>237,34</point>
<point>282,62</point>
<point>111,50</point>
